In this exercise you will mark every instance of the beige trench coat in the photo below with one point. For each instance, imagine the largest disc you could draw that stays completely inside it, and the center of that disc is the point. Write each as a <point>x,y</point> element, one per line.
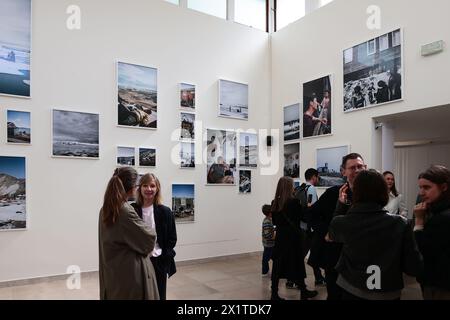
<point>125,271</point>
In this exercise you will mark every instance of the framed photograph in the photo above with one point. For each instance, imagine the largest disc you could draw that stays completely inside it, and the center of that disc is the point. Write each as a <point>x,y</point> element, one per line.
<point>15,48</point>
<point>245,181</point>
<point>137,96</point>
<point>221,155</point>
<point>317,101</point>
<point>233,100</point>
<point>187,96</point>
<point>292,122</point>
<point>183,202</point>
<point>75,134</point>
<point>13,208</point>
<point>147,157</point>
<point>18,125</point>
<point>126,156</point>
<point>187,126</point>
<point>329,162</point>
<point>248,150</point>
<point>187,155</point>
<point>297,184</point>
<point>292,160</point>
<point>373,72</point>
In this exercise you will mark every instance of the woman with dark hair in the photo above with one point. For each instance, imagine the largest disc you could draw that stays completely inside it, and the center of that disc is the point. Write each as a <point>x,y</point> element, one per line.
<point>432,231</point>
<point>396,205</point>
<point>125,241</point>
<point>150,208</point>
<point>373,241</point>
<point>287,253</point>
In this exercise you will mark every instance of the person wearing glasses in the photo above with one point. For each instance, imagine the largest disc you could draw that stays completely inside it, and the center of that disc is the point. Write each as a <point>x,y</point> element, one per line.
<point>323,253</point>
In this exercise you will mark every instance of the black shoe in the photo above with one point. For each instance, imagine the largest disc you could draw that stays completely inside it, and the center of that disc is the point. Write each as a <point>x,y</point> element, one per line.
<point>306,294</point>
<point>291,285</point>
<point>275,296</point>
<point>320,282</point>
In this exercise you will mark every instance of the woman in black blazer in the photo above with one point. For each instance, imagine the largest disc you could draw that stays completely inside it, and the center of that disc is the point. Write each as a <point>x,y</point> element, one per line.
<point>149,207</point>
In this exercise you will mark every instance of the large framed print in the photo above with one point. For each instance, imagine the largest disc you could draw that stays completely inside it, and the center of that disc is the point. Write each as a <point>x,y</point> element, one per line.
<point>187,96</point>
<point>317,104</point>
<point>221,156</point>
<point>328,161</point>
<point>291,122</point>
<point>137,92</point>
<point>373,72</point>
<point>183,202</point>
<point>18,125</point>
<point>248,150</point>
<point>233,100</point>
<point>13,208</point>
<point>292,160</point>
<point>75,134</point>
<point>15,48</point>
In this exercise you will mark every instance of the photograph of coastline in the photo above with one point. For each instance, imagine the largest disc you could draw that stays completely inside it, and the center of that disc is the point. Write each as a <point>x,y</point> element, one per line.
<point>187,96</point>
<point>15,47</point>
<point>187,126</point>
<point>245,181</point>
<point>183,202</point>
<point>13,214</point>
<point>187,154</point>
<point>126,156</point>
<point>221,155</point>
<point>137,96</point>
<point>248,150</point>
<point>18,125</point>
<point>75,134</point>
<point>233,100</point>
<point>328,164</point>
<point>292,122</point>
<point>147,157</point>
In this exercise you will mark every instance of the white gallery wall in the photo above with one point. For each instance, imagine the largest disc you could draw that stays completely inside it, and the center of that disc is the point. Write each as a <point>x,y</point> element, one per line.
<point>313,47</point>
<point>75,70</point>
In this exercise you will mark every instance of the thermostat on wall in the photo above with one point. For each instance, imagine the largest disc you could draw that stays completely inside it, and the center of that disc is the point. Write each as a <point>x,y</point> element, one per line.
<point>432,48</point>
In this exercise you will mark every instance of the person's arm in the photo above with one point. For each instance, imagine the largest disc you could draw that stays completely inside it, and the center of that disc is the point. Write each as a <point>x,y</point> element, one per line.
<point>172,233</point>
<point>137,235</point>
<point>402,207</point>
<point>412,263</point>
<point>336,230</point>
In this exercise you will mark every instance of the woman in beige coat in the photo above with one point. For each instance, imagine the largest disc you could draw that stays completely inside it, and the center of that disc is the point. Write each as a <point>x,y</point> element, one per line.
<point>125,241</point>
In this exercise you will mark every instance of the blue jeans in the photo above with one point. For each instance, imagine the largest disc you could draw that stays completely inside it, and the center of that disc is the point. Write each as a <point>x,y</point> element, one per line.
<point>267,255</point>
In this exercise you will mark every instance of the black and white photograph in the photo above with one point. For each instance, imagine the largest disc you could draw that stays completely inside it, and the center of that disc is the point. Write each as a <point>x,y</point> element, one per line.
<point>233,100</point>
<point>183,202</point>
<point>13,208</point>
<point>18,125</point>
<point>292,122</point>
<point>292,160</point>
<point>187,126</point>
<point>245,181</point>
<point>187,155</point>
<point>221,155</point>
<point>248,150</point>
<point>373,72</point>
<point>137,96</point>
<point>15,48</point>
<point>317,107</point>
<point>147,157</point>
<point>328,165</point>
<point>75,134</point>
<point>126,156</point>
<point>187,96</point>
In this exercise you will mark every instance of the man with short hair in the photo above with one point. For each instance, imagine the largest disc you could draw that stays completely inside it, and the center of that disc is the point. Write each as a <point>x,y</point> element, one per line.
<point>326,254</point>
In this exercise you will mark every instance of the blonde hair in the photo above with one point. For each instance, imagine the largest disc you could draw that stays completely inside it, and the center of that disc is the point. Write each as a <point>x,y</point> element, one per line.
<point>145,180</point>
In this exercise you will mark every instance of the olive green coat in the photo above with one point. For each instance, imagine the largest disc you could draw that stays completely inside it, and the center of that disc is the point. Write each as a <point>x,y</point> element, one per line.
<point>125,271</point>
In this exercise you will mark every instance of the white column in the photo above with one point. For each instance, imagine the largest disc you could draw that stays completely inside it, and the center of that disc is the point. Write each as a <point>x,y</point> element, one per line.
<point>183,3</point>
<point>387,147</point>
<point>230,10</point>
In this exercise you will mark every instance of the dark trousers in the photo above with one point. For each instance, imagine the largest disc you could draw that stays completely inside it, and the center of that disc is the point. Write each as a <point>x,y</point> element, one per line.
<point>333,290</point>
<point>161,276</point>
<point>267,255</point>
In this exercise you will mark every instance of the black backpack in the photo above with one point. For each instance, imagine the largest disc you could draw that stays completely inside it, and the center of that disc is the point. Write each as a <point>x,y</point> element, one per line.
<point>301,193</point>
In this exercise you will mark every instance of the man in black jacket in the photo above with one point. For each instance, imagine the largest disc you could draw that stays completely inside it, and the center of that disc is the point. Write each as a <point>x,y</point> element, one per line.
<point>326,254</point>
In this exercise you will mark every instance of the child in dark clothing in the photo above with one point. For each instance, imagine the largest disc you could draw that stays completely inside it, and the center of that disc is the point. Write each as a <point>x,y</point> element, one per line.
<point>268,238</point>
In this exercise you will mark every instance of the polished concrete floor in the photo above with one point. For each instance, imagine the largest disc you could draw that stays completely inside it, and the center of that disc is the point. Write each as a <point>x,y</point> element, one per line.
<point>232,278</point>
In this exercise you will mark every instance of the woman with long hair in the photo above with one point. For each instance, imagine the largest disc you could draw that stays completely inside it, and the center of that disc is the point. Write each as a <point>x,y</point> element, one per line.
<point>157,216</point>
<point>396,205</point>
<point>287,256</point>
<point>432,231</point>
<point>125,241</point>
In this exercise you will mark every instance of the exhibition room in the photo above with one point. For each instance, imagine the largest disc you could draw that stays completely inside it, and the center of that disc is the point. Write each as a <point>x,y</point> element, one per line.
<point>224,150</point>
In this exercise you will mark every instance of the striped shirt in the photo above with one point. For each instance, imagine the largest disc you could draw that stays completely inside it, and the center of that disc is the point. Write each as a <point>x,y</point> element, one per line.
<point>268,231</point>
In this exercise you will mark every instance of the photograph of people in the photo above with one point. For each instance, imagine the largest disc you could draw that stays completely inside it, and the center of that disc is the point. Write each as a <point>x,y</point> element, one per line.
<point>317,107</point>
<point>221,157</point>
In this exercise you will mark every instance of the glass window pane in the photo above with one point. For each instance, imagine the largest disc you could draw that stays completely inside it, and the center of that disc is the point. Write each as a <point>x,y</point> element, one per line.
<point>348,55</point>
<point>251,13</point>
<point>288,11</point>
<point>371,47</point>
<point>216,8</point>
<point>177,2</point>
<point>384,42</point>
